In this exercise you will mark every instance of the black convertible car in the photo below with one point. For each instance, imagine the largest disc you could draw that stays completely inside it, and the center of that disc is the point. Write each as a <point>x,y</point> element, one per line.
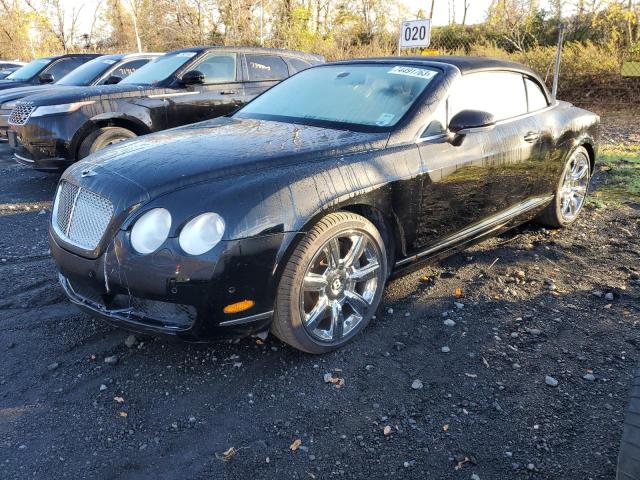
<point>292,213</point>
<point>53,130</point>
<point>104,70</point>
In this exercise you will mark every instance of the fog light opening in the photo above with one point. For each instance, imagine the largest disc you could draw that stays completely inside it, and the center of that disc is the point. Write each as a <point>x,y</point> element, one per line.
<point>239,306</point>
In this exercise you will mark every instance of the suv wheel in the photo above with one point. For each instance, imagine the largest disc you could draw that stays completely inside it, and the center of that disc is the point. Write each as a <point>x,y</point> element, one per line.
<point>103,137</point>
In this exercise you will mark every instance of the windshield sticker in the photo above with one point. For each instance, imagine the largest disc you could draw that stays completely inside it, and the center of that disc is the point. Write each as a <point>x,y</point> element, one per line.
<point>109,62</point>
<point>413,72</point>
<point>186,54</point>
<point>384,119</point>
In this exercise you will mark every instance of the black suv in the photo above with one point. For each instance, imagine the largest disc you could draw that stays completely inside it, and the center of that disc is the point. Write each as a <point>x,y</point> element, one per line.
<point>50,131</point>
<point>104,70</point>
<point>45,70</point>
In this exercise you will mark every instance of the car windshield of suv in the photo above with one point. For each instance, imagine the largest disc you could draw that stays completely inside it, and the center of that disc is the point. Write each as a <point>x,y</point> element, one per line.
<point>86,73</point>
<point>159,69</point>
<point>30,69</point>
<point>375,96</point>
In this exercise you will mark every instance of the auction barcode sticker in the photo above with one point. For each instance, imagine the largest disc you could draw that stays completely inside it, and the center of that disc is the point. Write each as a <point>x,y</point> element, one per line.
<point>413,72</point>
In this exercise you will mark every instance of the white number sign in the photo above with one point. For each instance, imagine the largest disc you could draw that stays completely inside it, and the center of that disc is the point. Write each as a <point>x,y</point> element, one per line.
<point>415,33</point>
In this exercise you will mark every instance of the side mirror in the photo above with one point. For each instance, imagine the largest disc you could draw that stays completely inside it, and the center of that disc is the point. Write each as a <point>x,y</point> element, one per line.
<point>471,119</point>
<point>46,78</point>
<point>112,80</point>
<point>192,77</point>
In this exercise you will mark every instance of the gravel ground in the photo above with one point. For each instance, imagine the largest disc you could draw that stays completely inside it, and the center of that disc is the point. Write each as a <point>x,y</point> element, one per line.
<point>522,376</point>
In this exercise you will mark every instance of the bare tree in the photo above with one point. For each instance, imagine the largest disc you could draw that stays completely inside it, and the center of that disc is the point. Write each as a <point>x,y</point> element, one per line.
<point>65,21</point>
<point>136,7</point>
<point>465,10</point>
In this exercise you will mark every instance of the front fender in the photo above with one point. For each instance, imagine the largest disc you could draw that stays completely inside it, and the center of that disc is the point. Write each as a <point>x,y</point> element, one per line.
<point>288,200</point>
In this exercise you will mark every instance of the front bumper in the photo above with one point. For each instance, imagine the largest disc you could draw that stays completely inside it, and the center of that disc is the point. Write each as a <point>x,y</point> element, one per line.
<point>168,294</point>
<point>4,125</point>
<point>47,143</point>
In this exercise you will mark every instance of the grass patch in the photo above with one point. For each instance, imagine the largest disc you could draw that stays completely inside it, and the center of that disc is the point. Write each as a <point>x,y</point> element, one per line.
<point>619,175</point>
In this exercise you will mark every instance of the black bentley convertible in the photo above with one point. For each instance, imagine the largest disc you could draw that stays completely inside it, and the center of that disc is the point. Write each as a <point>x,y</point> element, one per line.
<point>292,213</point>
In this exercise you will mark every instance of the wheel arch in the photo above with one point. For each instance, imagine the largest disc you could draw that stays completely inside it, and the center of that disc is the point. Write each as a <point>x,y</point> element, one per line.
<point>591,150</point>
<point>383,218</point>
<point>136,126</point>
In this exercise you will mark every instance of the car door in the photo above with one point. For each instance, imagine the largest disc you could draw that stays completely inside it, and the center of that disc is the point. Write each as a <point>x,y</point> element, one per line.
<point>471,181</point>
<point>262,72</point>
<point>61,67</point>
<point>546,165</point>
<point>220,94</point>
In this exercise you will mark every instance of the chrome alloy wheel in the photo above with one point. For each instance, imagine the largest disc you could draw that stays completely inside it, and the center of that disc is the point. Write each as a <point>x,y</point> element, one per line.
<point>340,285</point>
<point>574,186</point>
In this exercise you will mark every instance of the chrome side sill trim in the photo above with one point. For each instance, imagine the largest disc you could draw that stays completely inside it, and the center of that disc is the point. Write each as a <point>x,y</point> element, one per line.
<point>489,225</point>
<point>241,321</point>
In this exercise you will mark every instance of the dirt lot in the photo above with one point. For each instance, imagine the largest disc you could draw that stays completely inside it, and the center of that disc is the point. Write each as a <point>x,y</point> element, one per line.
<point>534,303</point>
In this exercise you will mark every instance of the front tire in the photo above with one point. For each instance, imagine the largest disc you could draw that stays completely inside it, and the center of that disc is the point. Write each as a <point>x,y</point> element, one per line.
<point>571,191</point>
<point>103,137</point>
<point>332,284</point>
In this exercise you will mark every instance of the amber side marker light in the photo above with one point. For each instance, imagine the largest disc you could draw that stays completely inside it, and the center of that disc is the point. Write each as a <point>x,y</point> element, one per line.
<point>239,306</point>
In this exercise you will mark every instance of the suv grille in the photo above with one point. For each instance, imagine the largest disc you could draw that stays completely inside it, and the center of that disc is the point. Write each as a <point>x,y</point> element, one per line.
<point>21,113</point>
<point>80,217</point>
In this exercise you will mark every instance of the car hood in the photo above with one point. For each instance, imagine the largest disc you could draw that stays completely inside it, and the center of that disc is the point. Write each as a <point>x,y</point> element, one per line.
<point>98,92</point>
<point>21,92</point>
<point>216,149</point>
<point>6,84</point>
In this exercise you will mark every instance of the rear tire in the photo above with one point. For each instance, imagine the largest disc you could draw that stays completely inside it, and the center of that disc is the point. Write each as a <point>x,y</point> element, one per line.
<point>332,284</point>
<point>629,456</point>
<point>103,137</point>
<point>571,193</point>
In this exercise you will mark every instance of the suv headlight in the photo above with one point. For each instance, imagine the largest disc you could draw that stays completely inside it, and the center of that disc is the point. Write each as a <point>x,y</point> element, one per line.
<point>62,108</point>
<point>202,233</point>
<point>151,230</point>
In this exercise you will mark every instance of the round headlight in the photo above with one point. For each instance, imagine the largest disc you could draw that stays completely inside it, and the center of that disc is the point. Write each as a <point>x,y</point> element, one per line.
<point>202,233</point>
<point>151,230</point>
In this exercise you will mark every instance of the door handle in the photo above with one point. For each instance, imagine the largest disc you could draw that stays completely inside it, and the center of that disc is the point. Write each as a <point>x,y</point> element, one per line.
<point>228,92</point>
<point>531,136</point>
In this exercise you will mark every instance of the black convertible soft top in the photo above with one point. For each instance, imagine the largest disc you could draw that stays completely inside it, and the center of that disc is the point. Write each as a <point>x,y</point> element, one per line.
<point>464,64</point>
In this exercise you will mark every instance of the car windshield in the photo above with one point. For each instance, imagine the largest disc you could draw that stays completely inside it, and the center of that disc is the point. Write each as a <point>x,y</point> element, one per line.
<point>375,96</point>
<point>86,73</point>
<point>159,69</point>
<point>29,70</point>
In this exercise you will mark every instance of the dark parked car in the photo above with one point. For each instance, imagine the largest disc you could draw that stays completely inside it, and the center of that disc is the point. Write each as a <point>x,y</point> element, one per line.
<point>45,70</point>
<point>5,72</point>
<point>104,70</point>
<point>292,213</point>
<point>186,86</point>
<point>7,67</point>
<point>11,64</point>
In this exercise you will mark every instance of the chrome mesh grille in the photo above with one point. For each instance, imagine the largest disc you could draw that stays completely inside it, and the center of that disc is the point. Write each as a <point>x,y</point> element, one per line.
<point>21,113</point>
<point>81,217</point>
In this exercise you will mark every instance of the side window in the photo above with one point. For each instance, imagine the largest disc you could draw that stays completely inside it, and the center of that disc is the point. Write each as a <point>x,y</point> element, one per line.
<point>266,67</point>
<point>535,96</point>
<point>438,123</point>
<point>127,68</point>
<point>62,67</point>
<point>499,93</point>
<point>298,65</point>
<point>218,68</point>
